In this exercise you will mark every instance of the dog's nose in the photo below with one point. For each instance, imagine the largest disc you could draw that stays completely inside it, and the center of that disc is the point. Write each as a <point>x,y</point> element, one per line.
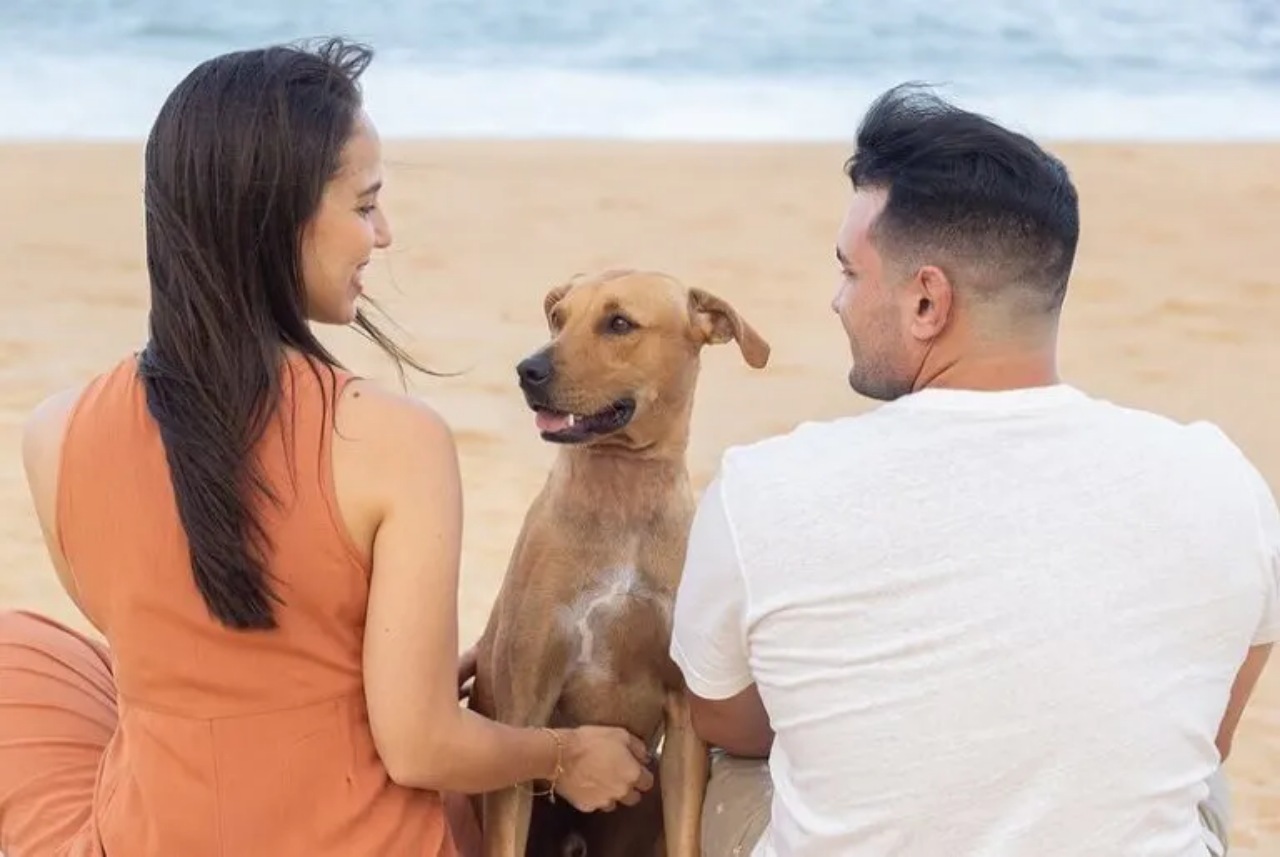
<point>534,371</point>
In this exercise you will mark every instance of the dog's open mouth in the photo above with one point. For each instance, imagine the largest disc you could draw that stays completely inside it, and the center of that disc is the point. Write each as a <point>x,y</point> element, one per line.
<point>560,427</point>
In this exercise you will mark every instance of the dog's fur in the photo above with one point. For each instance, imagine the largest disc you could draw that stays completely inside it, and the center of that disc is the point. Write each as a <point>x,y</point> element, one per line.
<point>580,630</point>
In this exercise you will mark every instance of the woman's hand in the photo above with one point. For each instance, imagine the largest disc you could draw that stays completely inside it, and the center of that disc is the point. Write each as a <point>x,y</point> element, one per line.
<point>602,766</point>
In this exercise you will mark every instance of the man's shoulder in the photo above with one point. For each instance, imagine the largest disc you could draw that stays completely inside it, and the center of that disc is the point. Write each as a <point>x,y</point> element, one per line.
<point>870,437</point>
<point>1198,454</point>
<point>1200,438</point>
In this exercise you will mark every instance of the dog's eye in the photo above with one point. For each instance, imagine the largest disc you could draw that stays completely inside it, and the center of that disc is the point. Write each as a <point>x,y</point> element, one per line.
<point>620,324</point>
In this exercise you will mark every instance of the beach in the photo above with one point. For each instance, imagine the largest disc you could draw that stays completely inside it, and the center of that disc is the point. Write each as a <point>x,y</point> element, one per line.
<point>1173,306</point>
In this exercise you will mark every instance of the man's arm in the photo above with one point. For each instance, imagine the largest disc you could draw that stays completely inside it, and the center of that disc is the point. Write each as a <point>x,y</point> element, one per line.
<point>709,636</point>
<point>739,725</point>
<point>1268,630</point>
<point>1241,690</point>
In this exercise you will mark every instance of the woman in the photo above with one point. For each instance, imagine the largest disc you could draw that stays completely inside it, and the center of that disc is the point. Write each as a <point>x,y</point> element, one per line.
<point>269,546</point>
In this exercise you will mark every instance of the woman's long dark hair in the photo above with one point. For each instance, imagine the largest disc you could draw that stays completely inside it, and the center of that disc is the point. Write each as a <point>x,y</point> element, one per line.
<point>235,167</point>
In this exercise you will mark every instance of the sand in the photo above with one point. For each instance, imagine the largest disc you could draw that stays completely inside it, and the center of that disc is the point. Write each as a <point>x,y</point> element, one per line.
<point>1173,307</point>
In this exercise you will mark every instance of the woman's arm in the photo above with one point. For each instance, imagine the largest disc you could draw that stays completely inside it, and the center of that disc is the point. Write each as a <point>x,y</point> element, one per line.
<point>397,461</point>
<point>425,738</point>
<point>42,436</point>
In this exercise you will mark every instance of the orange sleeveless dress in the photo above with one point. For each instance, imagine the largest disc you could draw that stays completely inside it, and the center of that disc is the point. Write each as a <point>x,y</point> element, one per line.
<point>182,738</point>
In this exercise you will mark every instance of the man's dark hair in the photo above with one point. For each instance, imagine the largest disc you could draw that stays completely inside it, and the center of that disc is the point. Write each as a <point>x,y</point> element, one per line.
<point>964,190</point>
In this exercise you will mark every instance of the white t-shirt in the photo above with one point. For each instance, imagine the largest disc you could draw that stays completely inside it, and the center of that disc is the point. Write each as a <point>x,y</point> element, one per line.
<point>984,624</point>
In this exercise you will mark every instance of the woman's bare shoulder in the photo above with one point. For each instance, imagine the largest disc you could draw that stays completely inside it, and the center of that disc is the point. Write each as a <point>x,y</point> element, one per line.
<point>392,452</point>
<point>385,419</point>
<point>390,447</point>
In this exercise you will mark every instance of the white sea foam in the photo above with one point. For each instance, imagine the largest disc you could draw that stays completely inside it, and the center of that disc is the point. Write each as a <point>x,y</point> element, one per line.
<point>117,98</point>
<point>665,69</point>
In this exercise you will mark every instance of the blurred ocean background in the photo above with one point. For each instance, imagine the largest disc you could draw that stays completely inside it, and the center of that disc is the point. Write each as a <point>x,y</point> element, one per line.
<point>691,69</point>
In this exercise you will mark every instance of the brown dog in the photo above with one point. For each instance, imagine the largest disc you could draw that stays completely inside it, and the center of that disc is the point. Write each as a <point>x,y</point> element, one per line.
<point>580,630</point>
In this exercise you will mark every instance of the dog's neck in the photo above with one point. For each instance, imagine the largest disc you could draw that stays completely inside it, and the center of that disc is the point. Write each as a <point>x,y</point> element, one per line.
<point>632,484</point>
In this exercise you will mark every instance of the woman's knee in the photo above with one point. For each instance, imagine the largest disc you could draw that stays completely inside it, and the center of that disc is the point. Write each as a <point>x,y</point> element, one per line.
<point>39,644</point>
<point>21,626</point>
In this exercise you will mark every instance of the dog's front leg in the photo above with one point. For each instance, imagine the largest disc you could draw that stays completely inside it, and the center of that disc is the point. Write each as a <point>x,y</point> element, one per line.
<point>507,814</point>
<point>527,699</point>
<point>683,779</point>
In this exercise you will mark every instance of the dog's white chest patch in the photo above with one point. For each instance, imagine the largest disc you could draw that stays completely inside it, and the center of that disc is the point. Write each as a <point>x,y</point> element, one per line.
<point>585,619</point>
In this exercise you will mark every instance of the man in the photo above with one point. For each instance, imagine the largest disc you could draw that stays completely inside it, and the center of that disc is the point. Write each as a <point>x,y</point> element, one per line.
<point>993,616</point>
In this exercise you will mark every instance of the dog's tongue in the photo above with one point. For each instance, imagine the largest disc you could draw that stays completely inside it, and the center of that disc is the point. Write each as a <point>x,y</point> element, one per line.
<point>552,423</point>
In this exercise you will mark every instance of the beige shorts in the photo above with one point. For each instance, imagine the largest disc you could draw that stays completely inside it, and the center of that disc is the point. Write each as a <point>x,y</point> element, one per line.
<point>736,810</point>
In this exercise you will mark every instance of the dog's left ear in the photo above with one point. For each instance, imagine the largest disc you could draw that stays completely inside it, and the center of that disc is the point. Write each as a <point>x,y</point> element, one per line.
<point>717,322</point>
<point>553,297</point>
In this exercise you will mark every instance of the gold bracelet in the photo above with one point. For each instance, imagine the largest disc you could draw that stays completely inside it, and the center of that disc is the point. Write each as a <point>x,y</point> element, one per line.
<point>550,793</point>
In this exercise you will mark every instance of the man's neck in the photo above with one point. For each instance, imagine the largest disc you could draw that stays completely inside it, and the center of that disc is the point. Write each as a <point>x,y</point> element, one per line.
<point>995,369</point>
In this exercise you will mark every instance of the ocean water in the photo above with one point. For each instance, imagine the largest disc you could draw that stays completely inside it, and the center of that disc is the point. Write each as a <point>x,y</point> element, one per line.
<point>696,69</point>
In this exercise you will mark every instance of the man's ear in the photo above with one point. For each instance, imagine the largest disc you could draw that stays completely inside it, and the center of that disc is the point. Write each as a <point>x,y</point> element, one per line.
<point>715,321</point>
<point>931,303</point>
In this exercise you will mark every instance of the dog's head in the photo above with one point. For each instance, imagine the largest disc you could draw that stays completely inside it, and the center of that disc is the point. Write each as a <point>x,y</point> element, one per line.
<point>623,357</point>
